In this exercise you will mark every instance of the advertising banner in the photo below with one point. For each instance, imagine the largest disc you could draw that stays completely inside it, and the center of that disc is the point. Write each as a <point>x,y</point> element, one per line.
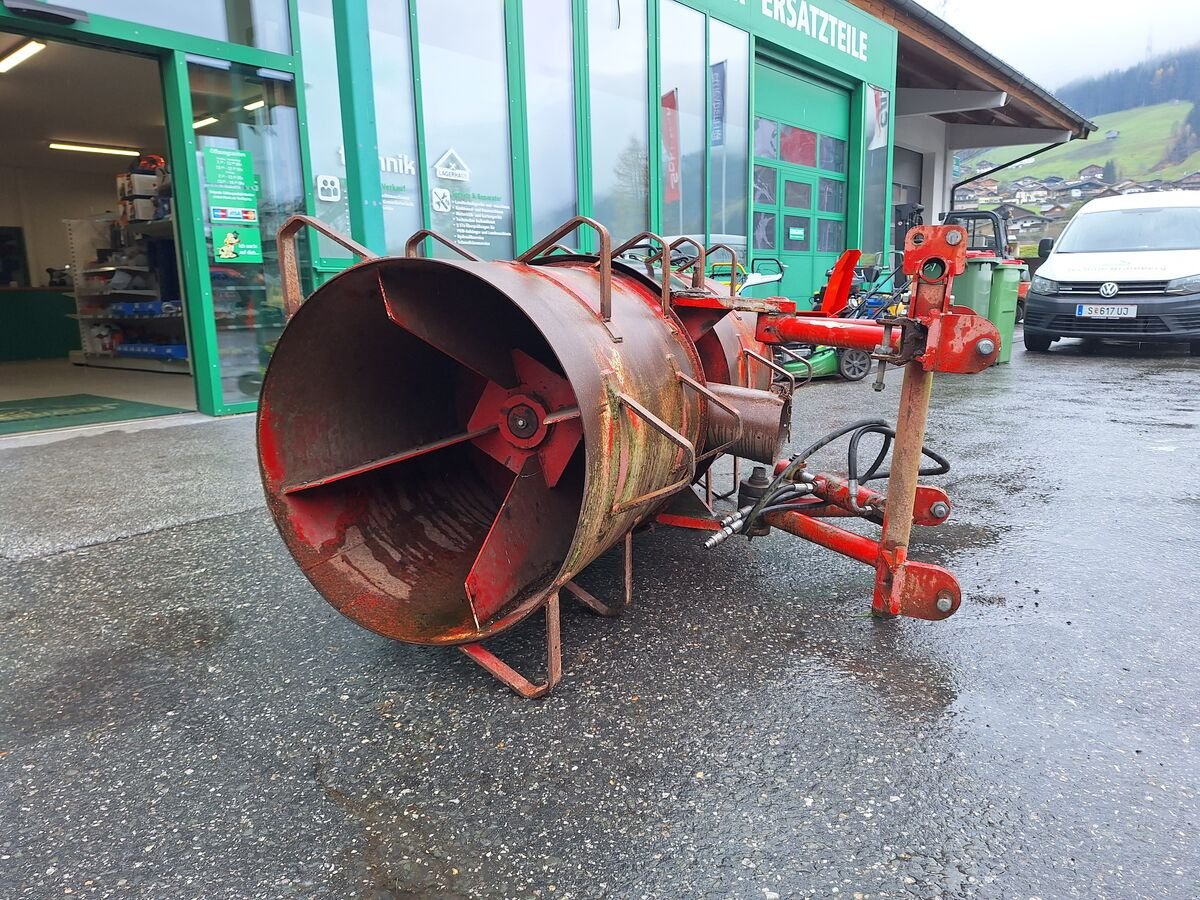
<point>878,109</point>
<point>670,136</point>
<point>716,91</point>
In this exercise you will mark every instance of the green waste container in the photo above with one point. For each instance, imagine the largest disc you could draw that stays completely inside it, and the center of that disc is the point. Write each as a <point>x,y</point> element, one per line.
<point>1002,303</point>
<point>973,288</point>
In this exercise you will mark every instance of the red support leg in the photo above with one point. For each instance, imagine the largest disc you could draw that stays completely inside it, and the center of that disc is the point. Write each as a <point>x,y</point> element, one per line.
<point>502,671</point>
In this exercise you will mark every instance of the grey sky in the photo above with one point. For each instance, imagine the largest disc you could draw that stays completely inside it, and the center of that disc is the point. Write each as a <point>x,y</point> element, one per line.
<point>1057,41</point>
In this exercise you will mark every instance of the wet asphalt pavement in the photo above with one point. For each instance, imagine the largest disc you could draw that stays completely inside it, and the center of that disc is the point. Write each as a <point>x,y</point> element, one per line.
<point>183,716</point>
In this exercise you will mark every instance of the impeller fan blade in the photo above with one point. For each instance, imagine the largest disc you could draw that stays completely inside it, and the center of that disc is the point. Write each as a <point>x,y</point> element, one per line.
<point>441,325</point>
<point>488,411</point>
<point>528,540</point>
<point>554,390</point>
<point>556,451</point>
<point>545,388</point>
<point>388,460</point>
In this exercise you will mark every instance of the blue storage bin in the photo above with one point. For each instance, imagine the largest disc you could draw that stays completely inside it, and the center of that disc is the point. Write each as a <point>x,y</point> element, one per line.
<point>152,351</point>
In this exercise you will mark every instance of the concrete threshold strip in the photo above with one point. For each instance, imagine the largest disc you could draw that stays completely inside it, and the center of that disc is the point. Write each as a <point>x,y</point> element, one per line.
<point>130,426</point>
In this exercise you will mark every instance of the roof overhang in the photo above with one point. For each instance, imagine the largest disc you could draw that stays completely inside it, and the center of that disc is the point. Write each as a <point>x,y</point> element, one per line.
<point>942,73</point>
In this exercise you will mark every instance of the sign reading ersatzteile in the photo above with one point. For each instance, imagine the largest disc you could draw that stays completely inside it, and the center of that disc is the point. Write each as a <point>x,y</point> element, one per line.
<point>820,25</point>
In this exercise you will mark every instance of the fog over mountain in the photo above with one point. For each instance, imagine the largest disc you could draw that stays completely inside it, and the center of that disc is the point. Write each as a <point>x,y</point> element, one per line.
<point>1065,40</point>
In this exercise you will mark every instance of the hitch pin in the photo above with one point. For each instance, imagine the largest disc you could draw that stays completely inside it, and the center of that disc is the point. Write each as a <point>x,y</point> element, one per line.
<point>883,350</point>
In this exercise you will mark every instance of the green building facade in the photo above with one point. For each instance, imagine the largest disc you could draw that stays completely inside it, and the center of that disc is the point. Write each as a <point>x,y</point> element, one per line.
<point>762,124</point>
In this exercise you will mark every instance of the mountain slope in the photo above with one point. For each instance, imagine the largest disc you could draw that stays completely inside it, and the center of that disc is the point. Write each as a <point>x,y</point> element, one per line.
<point>1146,136</point>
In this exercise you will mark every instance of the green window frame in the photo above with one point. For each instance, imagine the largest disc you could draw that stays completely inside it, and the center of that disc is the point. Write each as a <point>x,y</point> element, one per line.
<point>171,49</point>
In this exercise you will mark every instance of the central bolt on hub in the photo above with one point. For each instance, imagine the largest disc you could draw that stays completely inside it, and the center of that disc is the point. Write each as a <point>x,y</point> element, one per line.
<point>523,421</point>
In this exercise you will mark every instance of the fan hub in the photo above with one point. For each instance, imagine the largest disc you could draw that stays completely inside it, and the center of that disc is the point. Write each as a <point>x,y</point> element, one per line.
<point>522,422</point>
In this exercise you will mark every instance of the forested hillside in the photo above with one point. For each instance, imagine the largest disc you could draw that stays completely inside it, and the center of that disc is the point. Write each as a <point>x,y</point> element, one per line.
<point>1154,108</point>
<point>1175,76</point>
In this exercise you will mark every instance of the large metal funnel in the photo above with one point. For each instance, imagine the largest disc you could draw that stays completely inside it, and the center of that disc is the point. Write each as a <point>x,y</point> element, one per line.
<point>444,444</point>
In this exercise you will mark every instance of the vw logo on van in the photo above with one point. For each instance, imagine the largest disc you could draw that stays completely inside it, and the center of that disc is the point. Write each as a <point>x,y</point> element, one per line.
<point>1109,289</point>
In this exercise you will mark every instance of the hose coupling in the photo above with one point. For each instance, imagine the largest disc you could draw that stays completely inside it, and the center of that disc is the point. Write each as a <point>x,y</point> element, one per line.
<point>730,526</point>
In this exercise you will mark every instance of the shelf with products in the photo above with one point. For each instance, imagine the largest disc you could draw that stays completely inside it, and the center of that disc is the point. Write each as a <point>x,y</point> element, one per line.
<point>108,292</point>
<point>111,361</point>
<point>101,270</point>
<point>127,294</point>
<point>223,327</point>
<point>102,318</point>
<point>161,229</point>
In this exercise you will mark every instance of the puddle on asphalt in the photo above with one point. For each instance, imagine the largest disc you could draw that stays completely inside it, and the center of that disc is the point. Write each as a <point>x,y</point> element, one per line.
<point>944,541</point>
<point>910,682</point>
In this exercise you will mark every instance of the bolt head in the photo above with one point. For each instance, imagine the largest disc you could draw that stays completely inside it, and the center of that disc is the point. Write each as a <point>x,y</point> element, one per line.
<point>953,238</point>
<point>986,347</point>
<point>939,510</point>
<point>522,421</point>
<point>945,602</point>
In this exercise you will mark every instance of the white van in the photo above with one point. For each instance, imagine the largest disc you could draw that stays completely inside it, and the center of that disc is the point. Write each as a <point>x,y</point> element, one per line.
<point>1125,269</point>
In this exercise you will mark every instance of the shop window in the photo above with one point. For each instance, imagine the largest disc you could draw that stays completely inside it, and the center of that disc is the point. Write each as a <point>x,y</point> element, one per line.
<point>620,133</point>
<point>550,106</point>
<point>324,108</point>
<point>797,194</point>
<point>797,146</point>
<point>465,102</point>
<point>765,185</point>
<point>833,154</point>
<point>729,126</point>
<point>766,138</point>
<point>797,233</point>
<point>831,236</point>
<point>764,231</point>
<point>248,155</point>
<point>832,196</point>
<point>395,120</point>
<point>682,119</point>
<point>252,23</point>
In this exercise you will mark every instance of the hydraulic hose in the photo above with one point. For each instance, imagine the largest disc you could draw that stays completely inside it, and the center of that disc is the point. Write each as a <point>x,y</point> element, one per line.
<point>782,494</point>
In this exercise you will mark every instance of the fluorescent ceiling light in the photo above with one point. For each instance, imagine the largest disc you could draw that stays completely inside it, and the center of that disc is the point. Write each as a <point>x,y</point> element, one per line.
<point>22,53</point>
<point>205,122</point>
<point>257,104</point>
<point>88,148</point>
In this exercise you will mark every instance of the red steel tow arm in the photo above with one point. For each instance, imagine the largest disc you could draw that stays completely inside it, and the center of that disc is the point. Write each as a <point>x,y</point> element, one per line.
<point>934,336</point>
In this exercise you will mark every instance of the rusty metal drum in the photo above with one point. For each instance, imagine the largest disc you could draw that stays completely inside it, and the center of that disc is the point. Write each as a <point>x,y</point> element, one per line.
<point>445,443</point>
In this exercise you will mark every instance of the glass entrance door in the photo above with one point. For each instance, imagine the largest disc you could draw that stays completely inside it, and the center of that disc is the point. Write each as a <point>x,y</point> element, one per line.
<point>247,157</point>
<point>799,191</point>
<point>784,222</point>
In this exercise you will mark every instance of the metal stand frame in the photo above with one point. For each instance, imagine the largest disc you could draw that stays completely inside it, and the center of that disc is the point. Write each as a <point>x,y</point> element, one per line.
<point>598,606</point>
<point>530,690</point>
<point>503,672</point>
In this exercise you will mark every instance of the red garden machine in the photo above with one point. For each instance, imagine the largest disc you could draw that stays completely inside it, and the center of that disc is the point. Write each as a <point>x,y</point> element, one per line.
<point>446,443</point>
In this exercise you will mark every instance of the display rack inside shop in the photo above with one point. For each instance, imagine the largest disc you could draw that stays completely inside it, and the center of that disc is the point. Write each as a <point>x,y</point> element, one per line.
<point>128,299</point>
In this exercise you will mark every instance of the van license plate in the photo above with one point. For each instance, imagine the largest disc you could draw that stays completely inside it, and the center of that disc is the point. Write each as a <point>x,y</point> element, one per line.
<point>1103,311</point>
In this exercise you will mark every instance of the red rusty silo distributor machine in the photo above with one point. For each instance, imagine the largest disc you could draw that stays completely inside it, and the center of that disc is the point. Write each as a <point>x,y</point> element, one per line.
<point>445,444</point>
